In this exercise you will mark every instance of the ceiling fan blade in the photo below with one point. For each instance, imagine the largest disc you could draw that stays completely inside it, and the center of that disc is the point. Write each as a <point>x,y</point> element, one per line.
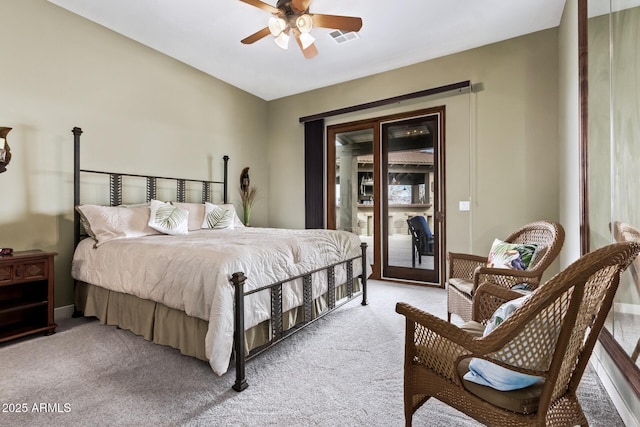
<point>262,5</point>
<point>256,36</point>
<point>310,51</point>
<point>346,23</point>
<point>301,5</point>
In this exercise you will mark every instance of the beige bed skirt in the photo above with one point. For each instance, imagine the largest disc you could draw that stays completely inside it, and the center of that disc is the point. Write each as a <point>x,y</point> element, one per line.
<point>167,326</point>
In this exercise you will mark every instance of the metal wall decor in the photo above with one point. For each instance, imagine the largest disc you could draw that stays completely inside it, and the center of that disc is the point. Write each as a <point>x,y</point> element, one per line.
<point>5,151</point>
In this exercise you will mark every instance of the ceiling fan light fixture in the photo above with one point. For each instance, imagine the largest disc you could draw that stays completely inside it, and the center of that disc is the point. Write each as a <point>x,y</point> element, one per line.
<point>291,18</point>
<point>282,40</point>
<point>277,26</point>
<point>304,23</point>
<point>306,39</point>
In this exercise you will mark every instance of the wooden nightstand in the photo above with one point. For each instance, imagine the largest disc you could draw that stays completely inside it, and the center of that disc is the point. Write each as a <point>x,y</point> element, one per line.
<point>26,294</point>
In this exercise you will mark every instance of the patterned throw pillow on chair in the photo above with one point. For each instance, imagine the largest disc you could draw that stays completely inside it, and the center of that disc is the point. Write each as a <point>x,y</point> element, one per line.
<point>516,256</point>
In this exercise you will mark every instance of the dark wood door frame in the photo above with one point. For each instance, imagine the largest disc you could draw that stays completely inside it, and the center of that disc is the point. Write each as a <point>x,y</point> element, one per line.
<point>375,123</point>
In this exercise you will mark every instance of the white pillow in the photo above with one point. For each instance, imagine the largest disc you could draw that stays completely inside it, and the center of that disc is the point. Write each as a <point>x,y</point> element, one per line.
<point>218,217</point>
<point>486,373</point>
<point>237,222</point>
<point>168,219</point>
<point>105,223</point>
<point>196,214</point>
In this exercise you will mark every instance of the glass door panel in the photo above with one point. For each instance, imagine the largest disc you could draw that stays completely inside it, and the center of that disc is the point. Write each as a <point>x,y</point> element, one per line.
<point>409,199</point>
<point>351,187</point>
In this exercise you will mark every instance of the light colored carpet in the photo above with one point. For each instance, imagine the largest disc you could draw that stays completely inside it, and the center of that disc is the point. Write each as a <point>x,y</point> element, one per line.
<point>326,375</point>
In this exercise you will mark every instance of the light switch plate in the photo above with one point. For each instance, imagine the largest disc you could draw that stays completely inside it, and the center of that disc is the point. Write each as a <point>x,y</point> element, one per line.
<point>465,205</point>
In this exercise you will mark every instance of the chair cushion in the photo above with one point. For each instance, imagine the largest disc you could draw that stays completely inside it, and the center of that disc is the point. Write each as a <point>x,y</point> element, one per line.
<point>521,401</point>
<point>474,328</point>
<point>462,285</point>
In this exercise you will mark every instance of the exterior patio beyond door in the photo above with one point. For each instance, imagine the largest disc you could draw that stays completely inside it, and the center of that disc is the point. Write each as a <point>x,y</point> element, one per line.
<point>383,184</point>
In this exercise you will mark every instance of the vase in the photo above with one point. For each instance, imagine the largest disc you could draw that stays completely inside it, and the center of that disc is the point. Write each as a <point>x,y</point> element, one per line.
<point>247,215</point>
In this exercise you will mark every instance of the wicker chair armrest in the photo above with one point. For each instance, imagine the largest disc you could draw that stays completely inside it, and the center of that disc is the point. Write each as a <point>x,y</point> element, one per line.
<point>435,343</point>
<point>478,259</point>
<point>436,325</point>
<point>505,277</point>
<point>487,298</point>
<point>463,266</point>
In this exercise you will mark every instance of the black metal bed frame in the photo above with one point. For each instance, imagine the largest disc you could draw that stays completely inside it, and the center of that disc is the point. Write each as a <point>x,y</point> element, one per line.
<point>237,279</point>
<point>115,184</point>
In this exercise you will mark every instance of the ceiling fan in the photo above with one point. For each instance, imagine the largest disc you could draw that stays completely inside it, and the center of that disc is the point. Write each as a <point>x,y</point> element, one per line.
<point>292,16</point>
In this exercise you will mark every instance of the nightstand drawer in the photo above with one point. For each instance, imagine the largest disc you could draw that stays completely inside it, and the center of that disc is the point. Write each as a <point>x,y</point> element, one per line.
<point>6,273</point>
<point>32,270</point>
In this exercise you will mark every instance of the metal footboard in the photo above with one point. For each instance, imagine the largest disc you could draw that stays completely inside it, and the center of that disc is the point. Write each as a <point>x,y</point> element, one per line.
<point>277,328</point>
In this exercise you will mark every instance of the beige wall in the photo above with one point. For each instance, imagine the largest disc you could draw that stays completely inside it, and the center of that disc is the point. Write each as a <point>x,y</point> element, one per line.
<point>134,103</point>
<point>65,71</point>
<point>141,112</point>
<point>511,148</point>
<point>144,112</point>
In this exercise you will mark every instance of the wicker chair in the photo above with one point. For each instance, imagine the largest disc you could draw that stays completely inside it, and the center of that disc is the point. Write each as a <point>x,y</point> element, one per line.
<point>551,335</point>
<point>627,233</point>
<point>466,272</point>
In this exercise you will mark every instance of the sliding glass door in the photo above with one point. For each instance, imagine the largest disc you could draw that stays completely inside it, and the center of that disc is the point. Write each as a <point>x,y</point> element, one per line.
<point>383,184</point>
<point>351,178</point>
<point>410,198</point>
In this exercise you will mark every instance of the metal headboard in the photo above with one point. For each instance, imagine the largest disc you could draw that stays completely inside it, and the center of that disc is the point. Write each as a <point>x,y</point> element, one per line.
<point>116,178</point>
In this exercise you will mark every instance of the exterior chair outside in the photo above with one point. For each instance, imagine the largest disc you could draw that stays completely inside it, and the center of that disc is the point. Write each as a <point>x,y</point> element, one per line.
<point>421,238</point>
<point>627,233</point>
<point>551,335</point>
<point>466,272</point>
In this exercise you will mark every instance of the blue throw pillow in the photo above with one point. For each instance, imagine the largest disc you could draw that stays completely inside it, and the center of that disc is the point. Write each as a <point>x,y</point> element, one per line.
<point>488,373</point>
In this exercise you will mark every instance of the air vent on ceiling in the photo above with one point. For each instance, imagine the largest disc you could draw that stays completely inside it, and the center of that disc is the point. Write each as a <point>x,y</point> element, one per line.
<point>343,36</point>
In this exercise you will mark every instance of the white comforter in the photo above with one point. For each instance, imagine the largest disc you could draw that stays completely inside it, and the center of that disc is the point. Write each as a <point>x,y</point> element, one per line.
<point>192,272</point>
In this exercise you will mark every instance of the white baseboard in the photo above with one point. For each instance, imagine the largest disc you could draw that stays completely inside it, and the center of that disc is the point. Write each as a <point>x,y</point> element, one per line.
<point>61,313</point>
<point>623,307</point>
<point>629,417</point>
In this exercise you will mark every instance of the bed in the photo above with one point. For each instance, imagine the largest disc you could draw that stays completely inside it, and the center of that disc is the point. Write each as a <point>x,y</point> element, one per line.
<point>217,291</point>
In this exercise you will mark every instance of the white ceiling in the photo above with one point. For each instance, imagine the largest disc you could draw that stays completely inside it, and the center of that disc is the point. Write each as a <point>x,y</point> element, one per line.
<point>206,34</point>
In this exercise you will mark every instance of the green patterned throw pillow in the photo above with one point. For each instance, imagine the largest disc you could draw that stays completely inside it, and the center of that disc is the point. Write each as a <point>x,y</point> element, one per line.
<point>217,217</point>
<point>168,219</point>
<point>511,255</point>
